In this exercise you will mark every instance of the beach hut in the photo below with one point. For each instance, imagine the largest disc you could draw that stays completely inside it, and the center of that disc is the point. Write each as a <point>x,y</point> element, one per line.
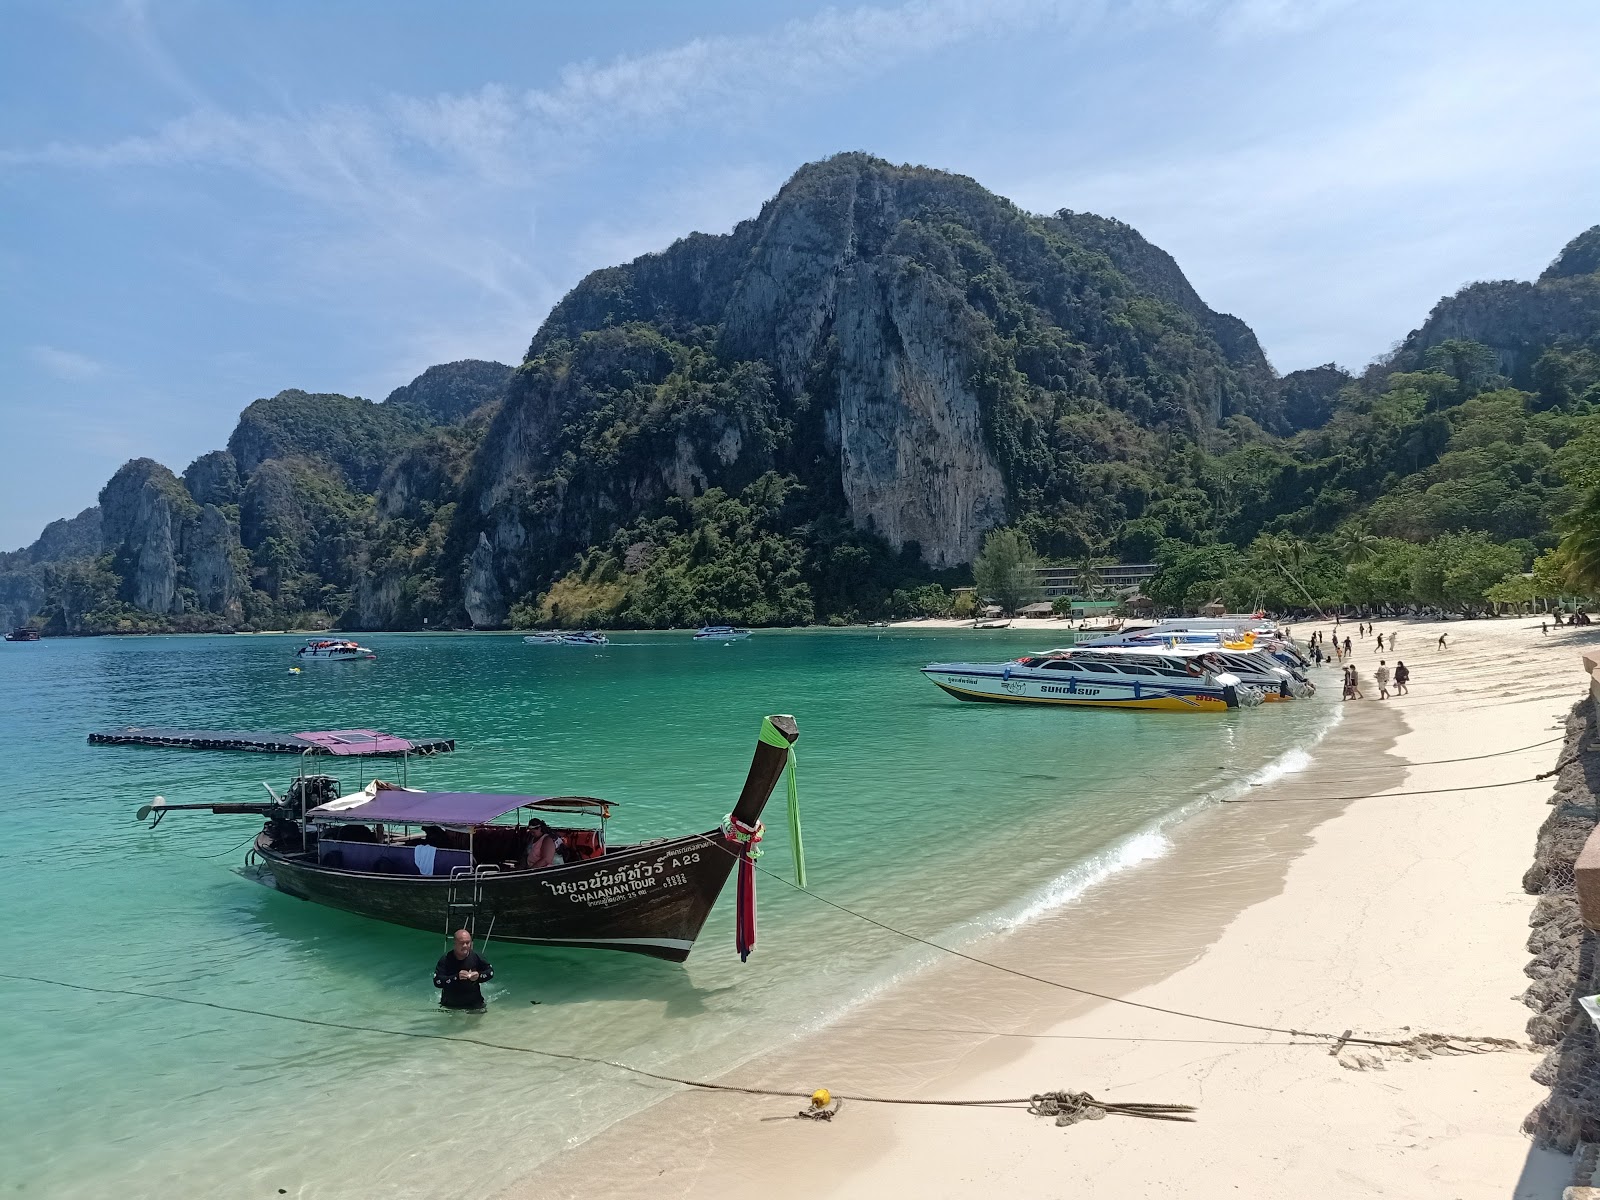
<point>1036,612</point>
<point>1215,609</point>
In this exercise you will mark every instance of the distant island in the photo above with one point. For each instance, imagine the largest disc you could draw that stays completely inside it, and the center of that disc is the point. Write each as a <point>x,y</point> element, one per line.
<point>823,414</point>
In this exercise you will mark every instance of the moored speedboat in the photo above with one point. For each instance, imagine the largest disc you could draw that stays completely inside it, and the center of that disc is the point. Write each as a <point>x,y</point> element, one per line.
<point>25,634</point>
<point>439,861</point>
<point>1174,680</point>
<point>587,637</point>
<point>721,633</point>
<point>333,650</point>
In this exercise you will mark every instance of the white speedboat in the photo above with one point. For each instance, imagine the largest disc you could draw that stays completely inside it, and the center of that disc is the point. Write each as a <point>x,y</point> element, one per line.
<point>721,633</point>
<point>332,650</point>
<point>1176,680</point>
<point>586,637</point>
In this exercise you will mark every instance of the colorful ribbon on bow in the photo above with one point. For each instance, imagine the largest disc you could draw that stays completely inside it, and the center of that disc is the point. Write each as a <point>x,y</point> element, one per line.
<point>744,924</point>
<point>771,736</point>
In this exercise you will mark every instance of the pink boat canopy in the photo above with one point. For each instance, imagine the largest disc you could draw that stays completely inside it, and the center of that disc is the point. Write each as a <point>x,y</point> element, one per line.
<point>356,742</point>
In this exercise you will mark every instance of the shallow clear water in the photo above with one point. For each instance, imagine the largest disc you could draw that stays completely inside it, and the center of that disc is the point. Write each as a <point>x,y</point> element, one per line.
<point>952,820</point>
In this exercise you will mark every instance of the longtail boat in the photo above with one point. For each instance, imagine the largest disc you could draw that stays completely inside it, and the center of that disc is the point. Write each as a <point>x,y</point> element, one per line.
<point>447,860</point>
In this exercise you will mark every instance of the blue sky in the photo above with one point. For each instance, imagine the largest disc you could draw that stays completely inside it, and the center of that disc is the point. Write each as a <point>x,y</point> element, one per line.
<point>204,203</point>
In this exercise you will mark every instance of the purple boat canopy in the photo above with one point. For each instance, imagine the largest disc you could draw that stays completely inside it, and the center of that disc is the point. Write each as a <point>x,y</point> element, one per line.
<point>356,741</point>
<point>399,806</point>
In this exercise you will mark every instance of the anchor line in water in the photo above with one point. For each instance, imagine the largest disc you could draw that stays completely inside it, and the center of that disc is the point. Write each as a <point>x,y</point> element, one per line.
<point>1039,1101</point>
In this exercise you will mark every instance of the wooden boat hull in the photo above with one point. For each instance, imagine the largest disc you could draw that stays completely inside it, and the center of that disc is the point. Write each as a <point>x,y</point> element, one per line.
<point>650,899</point>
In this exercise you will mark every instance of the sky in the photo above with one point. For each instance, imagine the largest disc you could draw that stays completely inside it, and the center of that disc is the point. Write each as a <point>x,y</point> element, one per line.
<point>202,203</point>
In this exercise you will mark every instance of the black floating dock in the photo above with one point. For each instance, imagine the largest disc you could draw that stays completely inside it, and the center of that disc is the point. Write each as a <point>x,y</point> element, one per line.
<point>234,739</point>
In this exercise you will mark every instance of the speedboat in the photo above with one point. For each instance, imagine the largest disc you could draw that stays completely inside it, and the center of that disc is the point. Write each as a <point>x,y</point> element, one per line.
<point>333,650</point>
<point>1178,680</point>
<point>1274,678</point>
<point>587,637</point>
<point>26,634</point>
<point>721,633</point>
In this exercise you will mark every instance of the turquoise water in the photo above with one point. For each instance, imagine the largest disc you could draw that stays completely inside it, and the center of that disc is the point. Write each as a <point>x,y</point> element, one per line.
<point>948,819</point>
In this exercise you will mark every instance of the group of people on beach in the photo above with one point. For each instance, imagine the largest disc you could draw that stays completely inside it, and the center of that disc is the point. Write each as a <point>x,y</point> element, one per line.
<point>1345,649</point>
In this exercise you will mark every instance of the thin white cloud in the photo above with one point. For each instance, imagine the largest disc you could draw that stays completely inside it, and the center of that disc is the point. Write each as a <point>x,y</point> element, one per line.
<point>429,201</point>
<point>66,364</point>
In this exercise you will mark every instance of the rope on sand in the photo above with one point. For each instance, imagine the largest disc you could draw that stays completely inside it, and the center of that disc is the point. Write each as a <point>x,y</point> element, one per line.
<point>1419,1046</point>
<point>823,1111</point>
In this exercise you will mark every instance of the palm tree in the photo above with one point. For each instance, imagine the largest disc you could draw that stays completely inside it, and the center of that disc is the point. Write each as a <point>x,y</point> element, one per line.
<point>1354,546</point>
<point>1580,543</point>
<point>1090,580</point>
<point>1287,553</point>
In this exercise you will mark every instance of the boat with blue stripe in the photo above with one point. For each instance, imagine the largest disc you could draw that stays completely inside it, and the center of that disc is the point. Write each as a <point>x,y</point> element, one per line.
<point>1175,680</point>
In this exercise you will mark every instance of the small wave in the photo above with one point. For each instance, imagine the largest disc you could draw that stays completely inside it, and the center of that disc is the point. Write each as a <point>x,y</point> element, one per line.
<point>1145,846</point>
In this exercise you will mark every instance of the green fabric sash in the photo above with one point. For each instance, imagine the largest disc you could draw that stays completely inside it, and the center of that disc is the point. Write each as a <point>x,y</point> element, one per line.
<point>771,736</point>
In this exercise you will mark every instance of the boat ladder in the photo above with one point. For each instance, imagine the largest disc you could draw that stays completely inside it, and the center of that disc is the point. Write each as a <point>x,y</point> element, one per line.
<point>463,897</point>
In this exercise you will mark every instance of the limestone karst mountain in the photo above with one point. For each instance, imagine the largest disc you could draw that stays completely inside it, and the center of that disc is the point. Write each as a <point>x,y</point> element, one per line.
<point>821,414</point>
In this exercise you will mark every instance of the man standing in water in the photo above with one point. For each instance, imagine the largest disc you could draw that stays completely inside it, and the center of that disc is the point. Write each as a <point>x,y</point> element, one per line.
<point>459,973</point>
<point>1382,676</point>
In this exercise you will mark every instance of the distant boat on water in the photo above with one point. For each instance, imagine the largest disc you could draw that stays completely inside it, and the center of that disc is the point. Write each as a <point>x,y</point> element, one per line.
<point>23,635</point>
<point>586,637</point>
<point>721,633</point>
<point>333,650</point>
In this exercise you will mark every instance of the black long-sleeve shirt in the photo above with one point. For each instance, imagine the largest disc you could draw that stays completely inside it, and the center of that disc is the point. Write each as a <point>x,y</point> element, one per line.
<point>461,993</point>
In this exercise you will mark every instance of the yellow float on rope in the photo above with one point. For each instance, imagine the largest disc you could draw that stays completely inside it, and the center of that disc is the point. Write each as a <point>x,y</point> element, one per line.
<point>821,1098</point>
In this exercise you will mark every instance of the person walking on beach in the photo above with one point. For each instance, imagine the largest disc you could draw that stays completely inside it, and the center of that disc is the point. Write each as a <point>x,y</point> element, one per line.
<point>1402,676</point>
<point>1382,676</point>
<point>458,974</point>
<point>1394,640</point>
<point>1442,644</point>
<point>1544,628</point>
<point>1380,641</point>
<point>1347,646</point>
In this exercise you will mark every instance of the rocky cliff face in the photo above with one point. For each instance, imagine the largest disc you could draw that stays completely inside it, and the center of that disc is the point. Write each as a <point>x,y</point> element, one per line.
<point>913,460</point>
<point>143,511</point>
<point>918,338</point>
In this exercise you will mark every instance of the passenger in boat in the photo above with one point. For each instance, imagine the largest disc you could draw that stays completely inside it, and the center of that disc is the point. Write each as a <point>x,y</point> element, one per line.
<point>459,973</point>
<point>545,847</point>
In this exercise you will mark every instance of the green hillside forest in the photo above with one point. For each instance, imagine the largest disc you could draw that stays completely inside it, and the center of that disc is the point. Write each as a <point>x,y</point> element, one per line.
<point>822,415</point>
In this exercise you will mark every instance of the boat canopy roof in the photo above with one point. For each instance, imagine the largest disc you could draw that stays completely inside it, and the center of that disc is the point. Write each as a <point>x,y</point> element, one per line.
<point>349,742</point>
<point>458,810</point>
<point>1130,651</point>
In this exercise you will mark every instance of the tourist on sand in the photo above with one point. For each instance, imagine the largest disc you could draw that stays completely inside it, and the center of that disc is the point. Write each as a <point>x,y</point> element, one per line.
<point>1394,640</point>
<point>1380,641</point>
<point>458,974</point>
<point>1544,628</point>
<point>1402,676</point>
<point>1443,645</point>
<point>1382,676</point>
<point>1352,688</point>
<point>1347,647</point>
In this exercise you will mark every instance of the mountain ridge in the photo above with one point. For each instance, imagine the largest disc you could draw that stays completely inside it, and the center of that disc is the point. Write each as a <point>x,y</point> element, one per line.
<point>819,414</point>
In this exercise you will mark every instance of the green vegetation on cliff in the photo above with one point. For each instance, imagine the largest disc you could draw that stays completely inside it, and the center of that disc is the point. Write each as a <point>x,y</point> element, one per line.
<point>823,414</point>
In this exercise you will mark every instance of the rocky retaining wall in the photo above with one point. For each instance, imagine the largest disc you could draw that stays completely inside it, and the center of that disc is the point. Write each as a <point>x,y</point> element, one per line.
<point>1565,964</point>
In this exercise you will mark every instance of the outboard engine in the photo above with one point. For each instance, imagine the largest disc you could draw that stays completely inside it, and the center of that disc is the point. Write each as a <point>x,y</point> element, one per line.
<point>308,791</point>
<point>1230,688</point>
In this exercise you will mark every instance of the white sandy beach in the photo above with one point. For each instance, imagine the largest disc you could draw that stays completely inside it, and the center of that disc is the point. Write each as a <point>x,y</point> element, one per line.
<point>1390,915</point>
